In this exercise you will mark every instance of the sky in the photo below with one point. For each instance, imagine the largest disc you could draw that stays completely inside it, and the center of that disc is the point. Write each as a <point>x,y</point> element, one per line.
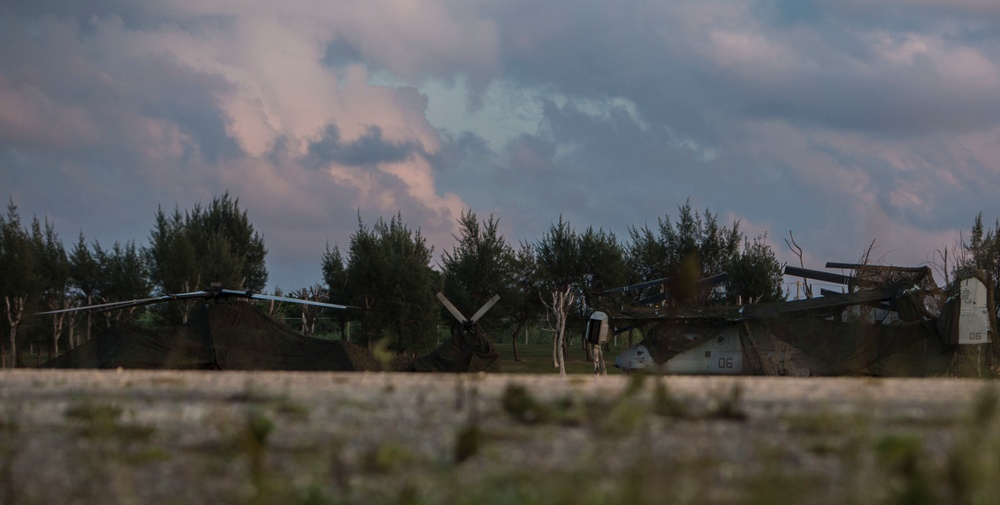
<point>843,122</point>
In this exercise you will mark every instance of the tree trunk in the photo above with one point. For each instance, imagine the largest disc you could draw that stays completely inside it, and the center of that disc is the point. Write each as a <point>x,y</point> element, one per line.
<point>90,323</point>
<point>513,340</point>
<point>72,332</point>
<point>15,310</point>
<point>561,301</point>
<point>58,320</point>
<point>555,349</point>
<point>308,322</point>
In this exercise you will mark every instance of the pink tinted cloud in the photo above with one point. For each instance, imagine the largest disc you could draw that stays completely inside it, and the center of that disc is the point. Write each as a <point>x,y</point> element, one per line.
<point>30,117</point>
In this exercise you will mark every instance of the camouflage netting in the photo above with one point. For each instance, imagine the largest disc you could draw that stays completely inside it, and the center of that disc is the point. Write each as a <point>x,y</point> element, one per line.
<point>913,333</point>
<point>668,338</point>
<point>238,336</point>
<point>812,346</point>
<point>468,351</point>
<point>824,347</point>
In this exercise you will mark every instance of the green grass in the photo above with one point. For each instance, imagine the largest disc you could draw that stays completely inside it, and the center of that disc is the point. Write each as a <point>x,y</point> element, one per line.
<point>537,359</point>
<point>533,359</point>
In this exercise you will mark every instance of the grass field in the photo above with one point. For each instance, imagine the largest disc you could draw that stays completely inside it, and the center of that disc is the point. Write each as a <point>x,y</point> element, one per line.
<point>537,359</point>
<point>533,359</point>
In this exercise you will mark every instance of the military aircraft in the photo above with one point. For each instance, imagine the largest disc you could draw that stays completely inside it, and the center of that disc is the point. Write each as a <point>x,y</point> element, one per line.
<point>888,321</point>
<point>226,333</point>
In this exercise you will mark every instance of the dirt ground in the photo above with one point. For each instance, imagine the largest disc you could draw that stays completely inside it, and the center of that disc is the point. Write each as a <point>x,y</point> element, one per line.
<point>278,437</point>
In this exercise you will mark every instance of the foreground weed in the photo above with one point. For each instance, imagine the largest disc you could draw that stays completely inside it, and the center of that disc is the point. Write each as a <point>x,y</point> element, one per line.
<point>467,442</point>
<point>775,483</point>
<point>625,417</point>
<point>102,422</point>
<point>908,482</point>
<point>388,458</point>
<point>665,404</point>
<point>729,405</point>
<point>10,448</point>
<point>469,436</point>
<point>281,404</point>
<point>974,461</point>
<point>519,403</point>
<point>636,383</point>
<point>384,355</point>
<point>111,450</point>
<point>291,409</point>
<point>251,441</point>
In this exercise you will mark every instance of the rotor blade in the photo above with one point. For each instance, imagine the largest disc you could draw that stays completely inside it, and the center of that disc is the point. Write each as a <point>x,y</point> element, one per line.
<point>104,307</point>
<point>451,308</point>
<point>707,281</point>
<point>714,280</point>
<point>829,277</point>
<point>257,296</point>
<point>641,285</point>
<point>159,299</point>
<point>482,310</point>
<point>887,268</point>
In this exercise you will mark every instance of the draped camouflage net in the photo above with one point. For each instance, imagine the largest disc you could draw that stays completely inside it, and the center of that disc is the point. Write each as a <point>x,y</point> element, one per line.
<point>237,335</point>
<point>901,324</point>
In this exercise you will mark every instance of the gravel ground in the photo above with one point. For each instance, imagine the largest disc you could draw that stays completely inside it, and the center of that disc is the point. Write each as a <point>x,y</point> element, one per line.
<point>245,437</point>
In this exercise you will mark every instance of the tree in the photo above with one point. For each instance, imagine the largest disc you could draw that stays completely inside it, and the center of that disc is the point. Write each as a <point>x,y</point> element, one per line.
<point>19,282</point>
<point>982,252</point>
<point>755,275</point>
<point>559,267</point>
<point>479,266</point>
<point>697,248</point>
<point>408,287</point>
<point>388,274</point>
<point>335,277</point>
<point>208,244</point>
<point>123,276</point>
<point>84,274</point>
<point>645,256</point>
<point>309,314</point>
<point>522,306</point>
<point>53,272</point>
<point>693,247</point>
<point>603,265</point>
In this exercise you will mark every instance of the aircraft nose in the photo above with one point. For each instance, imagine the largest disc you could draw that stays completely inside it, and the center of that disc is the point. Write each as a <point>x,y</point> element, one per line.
<point>621,362</point>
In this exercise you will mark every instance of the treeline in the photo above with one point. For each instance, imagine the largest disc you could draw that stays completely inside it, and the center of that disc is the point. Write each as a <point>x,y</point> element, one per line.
<point>387,271</point>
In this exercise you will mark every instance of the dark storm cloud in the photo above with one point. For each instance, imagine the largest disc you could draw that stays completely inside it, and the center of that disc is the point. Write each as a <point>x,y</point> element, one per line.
<point>55,65</point>
<point>370,149</point>
<point>462,156</point>
<point>341,53</point>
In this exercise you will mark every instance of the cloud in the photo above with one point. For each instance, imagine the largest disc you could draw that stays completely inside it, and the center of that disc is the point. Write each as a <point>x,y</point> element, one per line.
<point>843,120</point>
